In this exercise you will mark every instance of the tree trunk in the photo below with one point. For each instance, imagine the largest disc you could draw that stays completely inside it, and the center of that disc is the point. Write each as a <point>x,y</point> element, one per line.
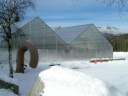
<point>10,59</point>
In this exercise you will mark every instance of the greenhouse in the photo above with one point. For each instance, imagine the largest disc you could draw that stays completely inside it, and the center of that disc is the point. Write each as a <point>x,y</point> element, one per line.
<point>69,43</point>
<point>85,42</point>
<point>39,33</point>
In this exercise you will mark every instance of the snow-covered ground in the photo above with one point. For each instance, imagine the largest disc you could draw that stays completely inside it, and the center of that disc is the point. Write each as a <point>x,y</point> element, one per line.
<point>113,73</point>
<point>67,82</point>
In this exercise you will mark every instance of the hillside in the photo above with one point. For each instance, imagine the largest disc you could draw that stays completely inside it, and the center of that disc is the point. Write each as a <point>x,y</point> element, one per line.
<point>118,38</point>
<point>119,43</point>
<point>111,30</point>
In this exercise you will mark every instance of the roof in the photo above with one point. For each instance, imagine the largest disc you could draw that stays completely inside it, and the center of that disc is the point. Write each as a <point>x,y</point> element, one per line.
<point>68,34</point>
<point>20,24</point>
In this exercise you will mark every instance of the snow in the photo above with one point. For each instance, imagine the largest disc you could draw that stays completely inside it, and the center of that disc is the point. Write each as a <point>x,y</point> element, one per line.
<point>111,30</point>
<point>67,82</point>
<point>8,79</point>
<point>75,78</point>
<point>4,92</point>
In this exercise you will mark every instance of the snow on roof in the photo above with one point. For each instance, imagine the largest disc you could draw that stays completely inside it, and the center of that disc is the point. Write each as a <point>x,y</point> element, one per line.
<point>61,81</point>
<point>68,34</point>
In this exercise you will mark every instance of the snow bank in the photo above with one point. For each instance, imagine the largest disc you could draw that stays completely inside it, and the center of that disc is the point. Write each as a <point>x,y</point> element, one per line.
<point>60,81</point>
<point>120,54</point>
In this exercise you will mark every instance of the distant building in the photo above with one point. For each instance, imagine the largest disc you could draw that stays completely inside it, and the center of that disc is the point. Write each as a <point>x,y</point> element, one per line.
<point>69,43</point>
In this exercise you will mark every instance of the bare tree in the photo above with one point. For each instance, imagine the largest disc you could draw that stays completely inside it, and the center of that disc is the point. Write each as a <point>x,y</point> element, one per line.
<point>9,9</point>
<point>119,3</point>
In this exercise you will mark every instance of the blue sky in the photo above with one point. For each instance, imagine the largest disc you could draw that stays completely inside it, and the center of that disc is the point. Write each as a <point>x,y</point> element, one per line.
<point>77,12</point>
